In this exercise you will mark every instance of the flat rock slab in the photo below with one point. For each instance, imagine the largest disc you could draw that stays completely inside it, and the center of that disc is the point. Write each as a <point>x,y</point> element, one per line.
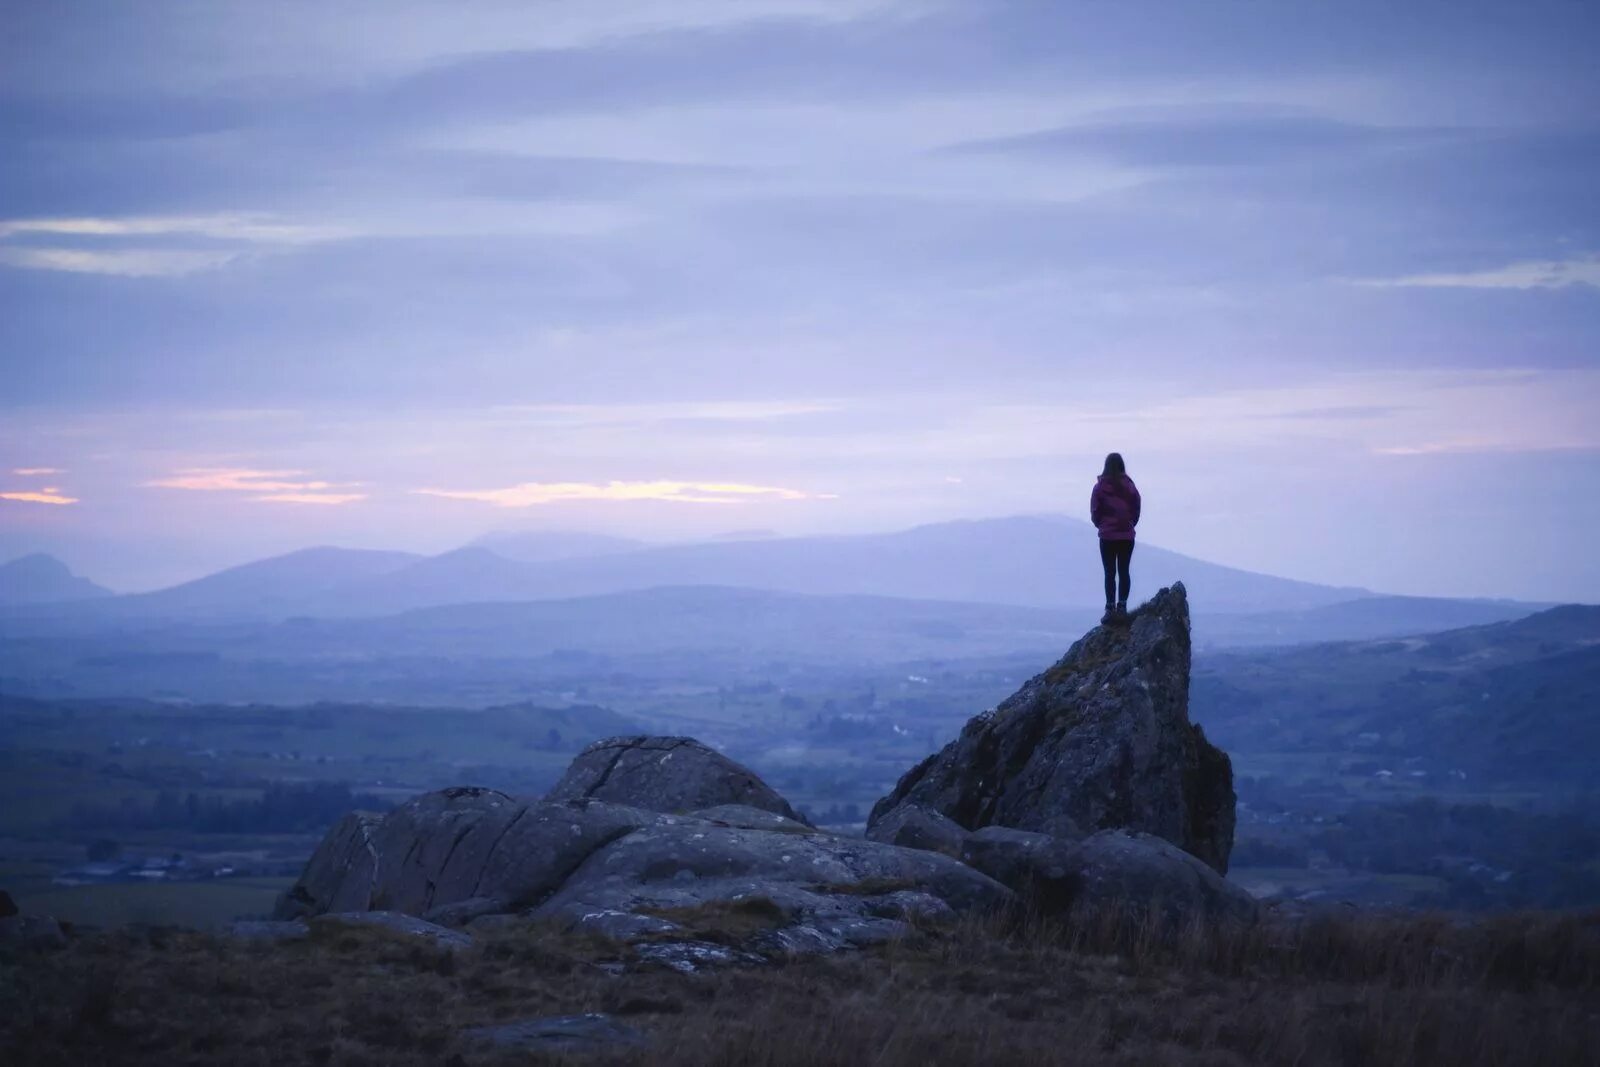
<point>559,1033</point>
<point>821,938</point>
<point>696,863</point>
<point>745,817</point>
<point>396,923</point>
<point>624,925</point>
<point>690,957</point>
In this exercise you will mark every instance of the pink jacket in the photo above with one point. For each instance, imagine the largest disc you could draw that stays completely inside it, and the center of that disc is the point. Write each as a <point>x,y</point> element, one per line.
<point>1114,507</point>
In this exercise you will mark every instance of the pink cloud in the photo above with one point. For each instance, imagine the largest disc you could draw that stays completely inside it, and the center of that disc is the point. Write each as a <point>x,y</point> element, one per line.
<point>236,480</point>
<point>312,498</point>
<point>533,494</point>
<point>272,486</point>
<point>36,472</point>
<point>47,496</point>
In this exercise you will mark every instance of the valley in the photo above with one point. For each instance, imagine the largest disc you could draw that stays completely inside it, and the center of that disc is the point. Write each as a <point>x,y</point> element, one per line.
<point>1436,770</point>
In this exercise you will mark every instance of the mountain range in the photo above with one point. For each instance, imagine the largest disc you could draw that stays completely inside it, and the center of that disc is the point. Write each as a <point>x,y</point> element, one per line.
<point>944,590</point>
<point>1027,561</point>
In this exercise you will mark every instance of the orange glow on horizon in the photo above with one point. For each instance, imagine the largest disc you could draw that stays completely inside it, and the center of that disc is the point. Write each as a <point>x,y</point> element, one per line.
<point>48,496</point>
<point>533,494</point>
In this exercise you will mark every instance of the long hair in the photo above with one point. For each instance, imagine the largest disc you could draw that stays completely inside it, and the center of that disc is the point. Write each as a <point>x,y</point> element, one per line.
<point>1114,465</point>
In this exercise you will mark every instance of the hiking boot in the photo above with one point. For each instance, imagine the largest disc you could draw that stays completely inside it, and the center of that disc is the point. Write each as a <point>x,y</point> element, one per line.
<point>1110,615</point>
<point>1122,609</point>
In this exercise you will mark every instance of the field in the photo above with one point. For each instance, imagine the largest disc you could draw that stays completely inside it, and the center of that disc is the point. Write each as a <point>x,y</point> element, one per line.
<point>202,905</point>
<point>1334,776</point>
<point>1320,993</point>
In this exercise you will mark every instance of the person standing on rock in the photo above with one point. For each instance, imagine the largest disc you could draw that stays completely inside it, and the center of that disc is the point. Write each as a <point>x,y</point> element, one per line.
<point>1114,510</point>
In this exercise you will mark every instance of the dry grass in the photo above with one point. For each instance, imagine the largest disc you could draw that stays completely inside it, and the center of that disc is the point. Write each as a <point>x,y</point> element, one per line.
<point>1335,991</point>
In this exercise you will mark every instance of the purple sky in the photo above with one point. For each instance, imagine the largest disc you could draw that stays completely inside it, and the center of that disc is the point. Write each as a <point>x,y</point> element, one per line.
<point>393,275</point>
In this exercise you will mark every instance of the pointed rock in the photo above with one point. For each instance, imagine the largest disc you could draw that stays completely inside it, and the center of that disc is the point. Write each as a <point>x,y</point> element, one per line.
<point>1100,741</point>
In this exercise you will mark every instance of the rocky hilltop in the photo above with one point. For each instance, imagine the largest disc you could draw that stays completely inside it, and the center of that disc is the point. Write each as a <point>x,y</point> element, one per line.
<point>1102,740</point>
<point>1088,787</point>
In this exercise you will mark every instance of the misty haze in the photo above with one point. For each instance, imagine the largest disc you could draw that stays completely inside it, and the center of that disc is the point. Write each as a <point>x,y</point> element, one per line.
<point>799,532</point>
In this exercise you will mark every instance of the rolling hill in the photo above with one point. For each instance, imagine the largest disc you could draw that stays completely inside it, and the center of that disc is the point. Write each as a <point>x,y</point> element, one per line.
<point>268,587</point>
<point>1510,701</point>
<point>42,579</point>
<point>1029,561</point>
<point>542,546</point>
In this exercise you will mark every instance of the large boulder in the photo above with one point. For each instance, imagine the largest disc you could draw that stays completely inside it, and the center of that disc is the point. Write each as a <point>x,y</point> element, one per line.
<point>914,826</point>
<point>1102,740</point>
<point>1143,874</point>
<point>1043,870</point>
<point>452,847</point>
<point>464,856</point>
<point>339,876</point>
<point>1132,875</point>
<point>667,774</point>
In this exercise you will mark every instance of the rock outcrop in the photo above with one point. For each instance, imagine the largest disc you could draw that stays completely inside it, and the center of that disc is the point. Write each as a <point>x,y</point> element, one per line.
<point>1089,788</point>
<point>1136,876</point>
<point>457,856</point>
<point>669,774</point>
<point>339,876</point>
<point>452,847</point>
<point>1100,741</point>
<point>1140,872</point>
<point>687,863</point>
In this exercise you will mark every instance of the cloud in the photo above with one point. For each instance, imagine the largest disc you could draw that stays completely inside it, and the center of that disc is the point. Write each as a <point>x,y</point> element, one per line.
<point>1220,136</point>
<point>127,263</point>
<point>532,494</point>
<point>234,479</point>
<point>169,246</point>
<point>222,227</point>
<point>274,486</point>
<point>1485,446</point>
<point>1343,411</point>
<point>1532,274</point>
<point>120,245</point>
<point>313,498</point>
<point>299,44</point>
<point>36,472</point>
<point>46,496</point>
<point>686,411</point>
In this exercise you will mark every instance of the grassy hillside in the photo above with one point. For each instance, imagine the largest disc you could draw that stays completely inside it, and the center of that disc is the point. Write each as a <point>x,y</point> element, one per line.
<point>1513,703</point>
<point>1326,993</point>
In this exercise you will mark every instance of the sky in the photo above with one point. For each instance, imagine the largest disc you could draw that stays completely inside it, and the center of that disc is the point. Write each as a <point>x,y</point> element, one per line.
<point>388,274</point>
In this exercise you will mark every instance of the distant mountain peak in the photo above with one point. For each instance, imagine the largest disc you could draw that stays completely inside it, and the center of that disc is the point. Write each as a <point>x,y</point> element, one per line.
<point>40,578</point>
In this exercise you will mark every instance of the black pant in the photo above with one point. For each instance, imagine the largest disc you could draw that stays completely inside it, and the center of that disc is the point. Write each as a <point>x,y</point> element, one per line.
<point>1115,557</point>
